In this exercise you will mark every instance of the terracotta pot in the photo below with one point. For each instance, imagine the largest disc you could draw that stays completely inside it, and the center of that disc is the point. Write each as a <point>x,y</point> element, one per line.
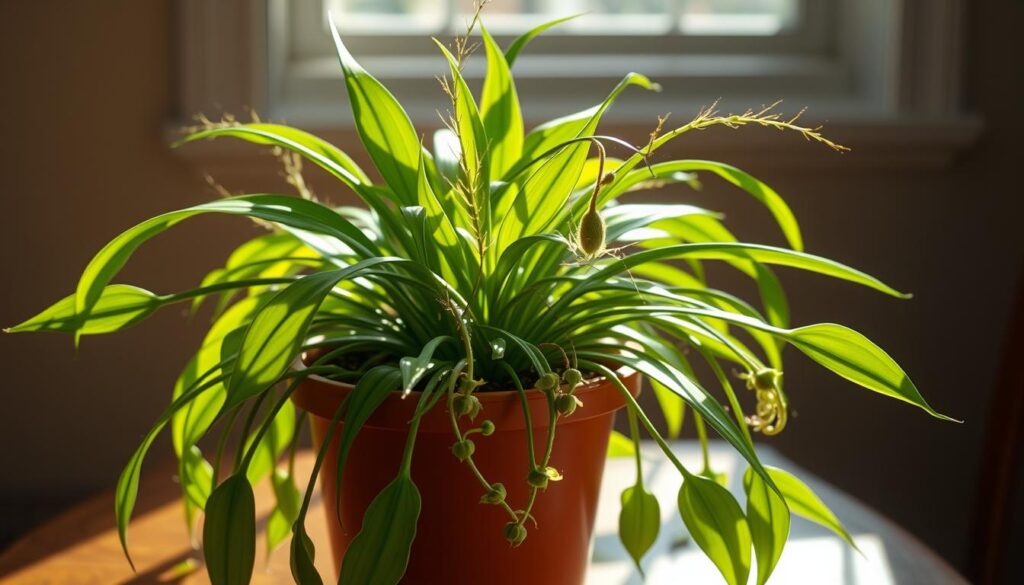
<point>459,540</point>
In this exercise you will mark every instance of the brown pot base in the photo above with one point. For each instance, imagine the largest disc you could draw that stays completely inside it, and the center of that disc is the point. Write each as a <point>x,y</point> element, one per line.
<point>459,540</point>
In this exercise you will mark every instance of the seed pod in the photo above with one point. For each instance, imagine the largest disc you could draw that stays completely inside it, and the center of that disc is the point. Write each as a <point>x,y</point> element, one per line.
<point>538,479</point>
<point>463,449</point>
<point>495,495</point>
<point>572,377</point>
<point>547,381</point>
<point>487,428</point>
<point>591,234</point>
<point>466,405</point>
<point>515,533</point>
<point>566,404</point>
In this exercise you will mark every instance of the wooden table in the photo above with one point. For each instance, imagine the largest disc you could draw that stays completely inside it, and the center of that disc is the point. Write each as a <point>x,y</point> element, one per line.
<point>81,546</point>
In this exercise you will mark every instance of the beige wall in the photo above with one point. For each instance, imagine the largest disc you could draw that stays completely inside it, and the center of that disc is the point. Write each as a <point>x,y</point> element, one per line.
<point>88,86</point>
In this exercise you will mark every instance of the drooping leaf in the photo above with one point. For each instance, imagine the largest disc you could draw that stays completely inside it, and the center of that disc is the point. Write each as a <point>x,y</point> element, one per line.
<point>273,444</point>
<point>118,307</point>
<point>856,358</point>
<point>288,501</point>
<point>200,477</point>
<point>371,390</point>
<point>273,339</point>
<point>302,554</point>
<point>279,209</point>
<point>379,553</point>
<point>760,191</point>
<point>639,522</point>
<point>717,525</point>
<point>319,151</point>
<point>768,517</point>
<point>229,532</point>
<point>672,408</point>
<point>803,502</point>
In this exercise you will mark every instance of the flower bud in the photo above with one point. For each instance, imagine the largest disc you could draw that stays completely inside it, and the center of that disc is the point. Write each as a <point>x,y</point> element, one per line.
<point>495,495</point>
<point>515,533</point>
<point>591,233</point>
<point>572,377</point>
<point>547,381</point>
<point>608,178</point>
<point>463,449</point>
<point>538,479</point>
<point>566,404</point>
<point>466,405</point>
<point>765,379</point>
<point>487,428</point>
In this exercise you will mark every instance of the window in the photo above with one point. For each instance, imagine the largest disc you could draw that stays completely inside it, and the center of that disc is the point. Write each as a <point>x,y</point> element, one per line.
<point>698,50</point>
<point>880,71</point>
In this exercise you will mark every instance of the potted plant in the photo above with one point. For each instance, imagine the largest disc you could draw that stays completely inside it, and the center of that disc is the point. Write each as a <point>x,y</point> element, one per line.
<point>441,337</point>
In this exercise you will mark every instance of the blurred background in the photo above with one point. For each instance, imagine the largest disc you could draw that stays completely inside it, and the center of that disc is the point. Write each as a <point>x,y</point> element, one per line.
<point>927,93</point>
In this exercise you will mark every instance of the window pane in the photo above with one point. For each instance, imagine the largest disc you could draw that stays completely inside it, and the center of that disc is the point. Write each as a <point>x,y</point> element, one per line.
<point>396,16</point>
<point>598,16</point>
<point>737,17</point>
<point>616,17</point>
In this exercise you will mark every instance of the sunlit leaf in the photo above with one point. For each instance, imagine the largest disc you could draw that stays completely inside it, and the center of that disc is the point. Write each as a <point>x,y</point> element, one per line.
<point>229,532</point>
<point>379,553</point>
<point>717,525</point>
<point>803,502</point>
<point>768,518</point>
<point>639,522</point>
<point>118,306</point>
<point>856,358</point>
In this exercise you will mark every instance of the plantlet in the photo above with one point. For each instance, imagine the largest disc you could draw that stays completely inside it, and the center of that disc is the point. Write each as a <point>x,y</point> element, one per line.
<point>425,289</point>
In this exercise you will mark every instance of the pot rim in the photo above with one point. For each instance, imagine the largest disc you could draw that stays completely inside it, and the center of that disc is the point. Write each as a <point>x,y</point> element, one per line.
<point>622,373</point>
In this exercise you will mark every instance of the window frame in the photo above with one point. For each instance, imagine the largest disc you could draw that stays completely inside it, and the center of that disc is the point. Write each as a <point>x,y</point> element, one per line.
<point>228,64</point>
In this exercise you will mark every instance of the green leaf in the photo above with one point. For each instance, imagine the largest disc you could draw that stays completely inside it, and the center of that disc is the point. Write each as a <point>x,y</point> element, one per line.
<point>639,522</point>
<point>717,525</point>
<point>286,511</point>
<point>280,209</point>
<point>319,151</point>
<point>371,390</point>
<point>499,105</point>
<point>379,553</point>
<point>414,368</point>
<point>229,532</point>
<point>273,339</point>
<point>302,554</point>
<point>737,251</point>
<point>760,191</point>
<point>384,127</point>
<point>127,490</point>
<point>544,192</point>
<point>200,477</point>
<point>803,502</point>
<point>661,368</point>
<point>118,307</point>
<point>768,518</point>
<point>856,358</point>
<point>517,45</point>
<point>620,445</point>
<point>672,408</point>
<point>273,444</point>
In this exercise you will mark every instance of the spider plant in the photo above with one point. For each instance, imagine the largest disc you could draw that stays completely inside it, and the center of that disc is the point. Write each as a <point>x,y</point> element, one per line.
<point>424,289</point>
